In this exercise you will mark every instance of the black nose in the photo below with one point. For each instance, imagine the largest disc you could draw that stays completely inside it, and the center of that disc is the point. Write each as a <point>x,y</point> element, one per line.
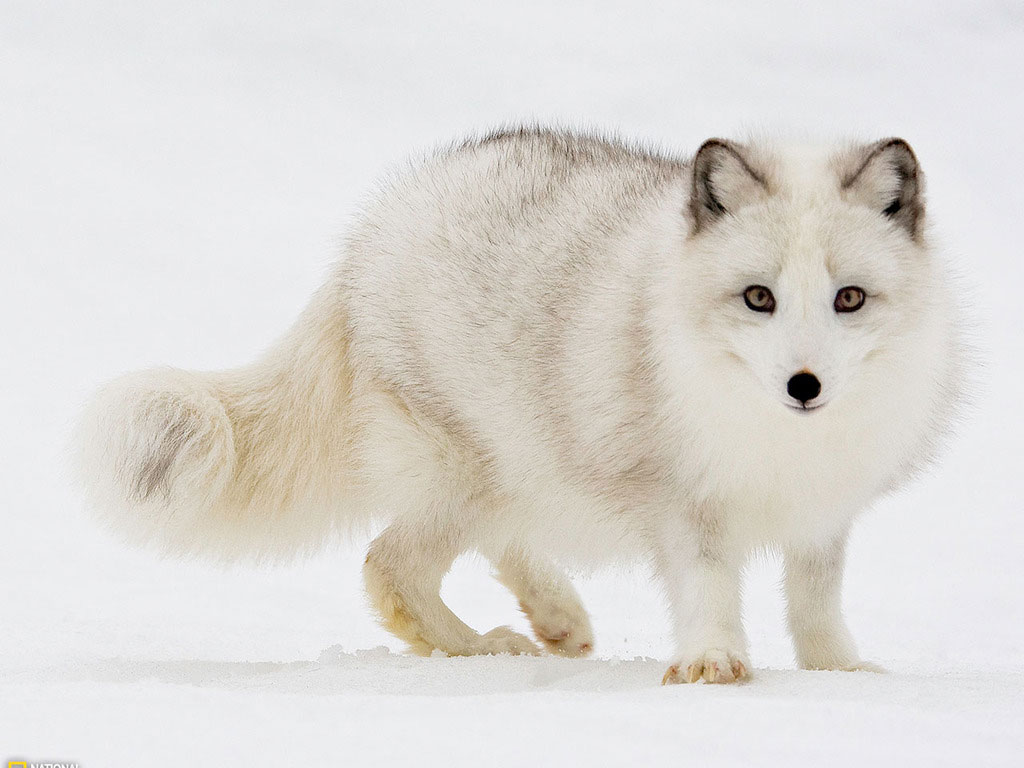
<point>804,387</point>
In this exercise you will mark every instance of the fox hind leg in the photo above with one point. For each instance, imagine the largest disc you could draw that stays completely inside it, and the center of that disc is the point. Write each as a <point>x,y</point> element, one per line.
<point>403,573</point>
<point>549,601</point>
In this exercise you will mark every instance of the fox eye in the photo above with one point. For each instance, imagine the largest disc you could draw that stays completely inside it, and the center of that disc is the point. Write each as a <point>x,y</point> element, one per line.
<point>759,299</point>
<point>849,299</point>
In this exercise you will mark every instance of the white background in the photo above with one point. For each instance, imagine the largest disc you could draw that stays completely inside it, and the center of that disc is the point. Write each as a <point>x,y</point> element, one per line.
<point>174,179</point>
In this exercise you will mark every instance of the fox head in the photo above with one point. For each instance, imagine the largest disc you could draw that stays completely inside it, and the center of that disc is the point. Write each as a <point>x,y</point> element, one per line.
<point>807,268</point>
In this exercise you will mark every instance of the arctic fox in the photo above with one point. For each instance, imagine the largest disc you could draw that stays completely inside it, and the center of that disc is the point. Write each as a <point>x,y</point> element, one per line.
<point>558,348</point>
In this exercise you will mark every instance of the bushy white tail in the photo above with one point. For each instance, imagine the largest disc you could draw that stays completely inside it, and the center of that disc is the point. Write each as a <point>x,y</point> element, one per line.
<point>244,463</point>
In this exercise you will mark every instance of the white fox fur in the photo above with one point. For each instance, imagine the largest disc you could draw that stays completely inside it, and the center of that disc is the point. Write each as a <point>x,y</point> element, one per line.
<point>538,345</point>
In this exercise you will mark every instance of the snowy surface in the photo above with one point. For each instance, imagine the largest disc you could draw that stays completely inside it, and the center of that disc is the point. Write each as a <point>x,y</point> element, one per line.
<point>173,179</point>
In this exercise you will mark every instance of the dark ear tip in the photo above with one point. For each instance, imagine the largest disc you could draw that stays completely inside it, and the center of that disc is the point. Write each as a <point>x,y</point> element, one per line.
<point>713,145</point>
<point>895,141</point>
<point>901,146</point>
<point>714,141</point>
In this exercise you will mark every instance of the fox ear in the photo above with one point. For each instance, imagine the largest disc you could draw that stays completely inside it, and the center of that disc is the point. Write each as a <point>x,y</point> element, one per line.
<point>723,182</point>
<point>887,179</point>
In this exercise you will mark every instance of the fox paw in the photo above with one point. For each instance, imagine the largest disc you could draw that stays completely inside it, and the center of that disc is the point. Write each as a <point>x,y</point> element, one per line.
<point>562,630</point>
<point>836,665</point>
<point>504,640</point>
<point>713,666</point>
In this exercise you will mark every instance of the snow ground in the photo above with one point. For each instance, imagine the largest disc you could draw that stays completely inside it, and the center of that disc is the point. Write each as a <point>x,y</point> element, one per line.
<point>173,178</point>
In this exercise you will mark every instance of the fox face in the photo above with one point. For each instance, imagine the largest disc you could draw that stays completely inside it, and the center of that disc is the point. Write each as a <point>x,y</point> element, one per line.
<point>807,267</point>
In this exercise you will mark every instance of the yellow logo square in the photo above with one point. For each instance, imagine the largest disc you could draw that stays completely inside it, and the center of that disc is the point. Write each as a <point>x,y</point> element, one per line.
<point>13,764</point>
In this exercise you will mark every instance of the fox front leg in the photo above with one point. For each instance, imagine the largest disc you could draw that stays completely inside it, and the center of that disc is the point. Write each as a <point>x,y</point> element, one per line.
<point>702,581</point>
<point>814,579</point>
